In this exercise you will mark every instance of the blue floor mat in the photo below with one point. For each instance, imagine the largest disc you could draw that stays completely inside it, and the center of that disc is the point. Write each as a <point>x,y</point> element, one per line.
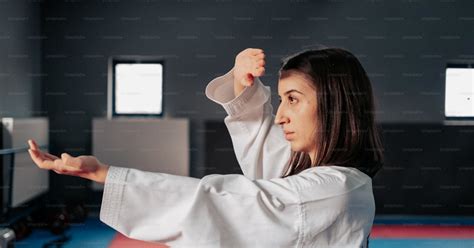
<point>423,220</point>
<point>421,243</point>
<point>90,234</point>
<point>95,234</point>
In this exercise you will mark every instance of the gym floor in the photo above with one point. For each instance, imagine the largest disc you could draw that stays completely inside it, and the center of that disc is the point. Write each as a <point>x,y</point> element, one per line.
<point>387,232</point>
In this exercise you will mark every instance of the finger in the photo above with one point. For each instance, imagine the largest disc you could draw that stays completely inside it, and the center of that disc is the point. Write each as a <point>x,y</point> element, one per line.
<point>39,161</point>
<point>39,154</point>
<point>249,79</point>
<point>61,166</point>
<point>32,144</point>
<point>71,161</point>
<point>260,55</point>
<point>65,156</point>
<point>57,164</point>
<point>35,156</point>
<point>255,51</point>
<point>50,156</point>
<point>35,145</point>
<point>261,62</point>
<point>66,170</point>
<point>259,72</point>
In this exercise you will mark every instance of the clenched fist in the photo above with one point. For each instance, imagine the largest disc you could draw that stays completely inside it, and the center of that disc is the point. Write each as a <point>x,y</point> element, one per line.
<point>249,63</point>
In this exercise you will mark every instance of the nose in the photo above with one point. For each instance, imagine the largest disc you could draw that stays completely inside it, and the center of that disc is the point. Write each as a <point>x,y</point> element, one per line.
<point>280,117</point>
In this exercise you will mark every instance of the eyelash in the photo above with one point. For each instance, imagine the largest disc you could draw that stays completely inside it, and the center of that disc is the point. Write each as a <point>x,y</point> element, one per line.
<point>290,97</point>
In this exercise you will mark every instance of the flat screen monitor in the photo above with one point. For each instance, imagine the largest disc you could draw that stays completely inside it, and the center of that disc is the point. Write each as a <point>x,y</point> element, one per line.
<point>136,87</point>
<point>459,93</point>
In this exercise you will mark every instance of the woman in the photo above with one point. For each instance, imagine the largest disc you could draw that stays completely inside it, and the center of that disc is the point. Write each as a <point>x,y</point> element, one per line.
<point>307,170</point>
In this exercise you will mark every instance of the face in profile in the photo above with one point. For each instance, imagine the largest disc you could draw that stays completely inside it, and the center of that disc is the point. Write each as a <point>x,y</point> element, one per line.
<point>297,111</point>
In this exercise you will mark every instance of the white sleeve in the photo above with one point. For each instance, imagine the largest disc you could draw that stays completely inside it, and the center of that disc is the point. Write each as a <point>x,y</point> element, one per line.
<point>259,144</point>
<point>216,211</point>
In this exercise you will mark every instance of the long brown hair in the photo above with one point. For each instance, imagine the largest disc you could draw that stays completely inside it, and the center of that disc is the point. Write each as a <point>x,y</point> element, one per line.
<point>347,134</point>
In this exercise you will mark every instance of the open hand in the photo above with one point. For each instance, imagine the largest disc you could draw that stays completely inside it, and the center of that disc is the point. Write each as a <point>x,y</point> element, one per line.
<point>88,167</point>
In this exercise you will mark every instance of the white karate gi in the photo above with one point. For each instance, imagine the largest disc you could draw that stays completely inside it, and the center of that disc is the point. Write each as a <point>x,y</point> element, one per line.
<point>327,206</point>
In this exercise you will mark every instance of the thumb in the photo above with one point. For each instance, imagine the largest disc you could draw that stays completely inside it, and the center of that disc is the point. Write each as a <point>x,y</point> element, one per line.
<point>65,156</point>
<point>70,160</point>
<point>248,79</point>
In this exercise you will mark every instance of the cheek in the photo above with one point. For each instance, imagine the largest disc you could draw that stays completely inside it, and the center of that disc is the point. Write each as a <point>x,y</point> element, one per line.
<point>307,116</point>
<point>310,124</point>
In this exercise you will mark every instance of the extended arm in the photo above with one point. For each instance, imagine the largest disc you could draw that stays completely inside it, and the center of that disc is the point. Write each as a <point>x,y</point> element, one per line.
<point>216,211</point>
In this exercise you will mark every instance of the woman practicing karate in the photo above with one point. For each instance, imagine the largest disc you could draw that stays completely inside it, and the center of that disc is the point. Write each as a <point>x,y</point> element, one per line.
<point>307,170</point>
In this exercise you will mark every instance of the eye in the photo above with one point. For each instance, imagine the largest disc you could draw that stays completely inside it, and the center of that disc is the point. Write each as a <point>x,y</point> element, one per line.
<point>292,99</point>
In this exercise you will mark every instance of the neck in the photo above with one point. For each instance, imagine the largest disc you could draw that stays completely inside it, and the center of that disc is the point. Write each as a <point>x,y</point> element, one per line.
<point>312,155</point>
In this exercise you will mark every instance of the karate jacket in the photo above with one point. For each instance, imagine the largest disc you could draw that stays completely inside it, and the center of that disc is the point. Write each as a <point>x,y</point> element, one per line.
<point>324,206</point>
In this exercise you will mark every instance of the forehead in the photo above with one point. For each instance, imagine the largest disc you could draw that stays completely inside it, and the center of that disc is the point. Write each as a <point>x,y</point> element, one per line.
<point>294,80</point>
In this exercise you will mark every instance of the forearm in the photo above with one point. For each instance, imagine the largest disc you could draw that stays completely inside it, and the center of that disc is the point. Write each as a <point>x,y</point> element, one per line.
<point>259,144</point>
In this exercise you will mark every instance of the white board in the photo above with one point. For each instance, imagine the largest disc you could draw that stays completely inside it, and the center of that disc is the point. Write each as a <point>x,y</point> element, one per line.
<point>156,145</point>
<point>28,180</point>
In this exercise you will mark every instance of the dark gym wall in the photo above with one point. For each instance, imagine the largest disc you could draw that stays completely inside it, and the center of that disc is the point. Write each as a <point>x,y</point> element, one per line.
<point>404,46</point>
<point>428,167</point>
<point>20,56</point>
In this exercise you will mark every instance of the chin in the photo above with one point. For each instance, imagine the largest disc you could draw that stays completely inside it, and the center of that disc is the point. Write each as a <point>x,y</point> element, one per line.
<point>296,148</point>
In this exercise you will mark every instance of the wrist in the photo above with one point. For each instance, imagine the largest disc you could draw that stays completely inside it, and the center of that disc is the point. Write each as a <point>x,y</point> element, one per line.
<point>101,173</point>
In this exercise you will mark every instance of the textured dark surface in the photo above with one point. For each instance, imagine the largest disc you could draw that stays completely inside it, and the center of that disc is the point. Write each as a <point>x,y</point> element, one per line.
<point>54,59</point>
<point>403,45</point>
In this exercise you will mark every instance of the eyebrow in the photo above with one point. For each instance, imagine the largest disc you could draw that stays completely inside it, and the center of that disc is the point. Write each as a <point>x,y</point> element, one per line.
<point>292,90</point>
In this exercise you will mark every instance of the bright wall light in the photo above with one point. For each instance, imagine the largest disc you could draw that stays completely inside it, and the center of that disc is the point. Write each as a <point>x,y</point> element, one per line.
<point>135,87</point>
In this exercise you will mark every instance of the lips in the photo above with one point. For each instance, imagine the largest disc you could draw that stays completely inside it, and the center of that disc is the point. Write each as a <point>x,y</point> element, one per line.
<point>288,135</point>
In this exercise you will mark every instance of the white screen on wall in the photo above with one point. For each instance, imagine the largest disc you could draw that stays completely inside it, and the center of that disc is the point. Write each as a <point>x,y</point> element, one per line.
<point>138,88</point>
<point>459,96</point>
